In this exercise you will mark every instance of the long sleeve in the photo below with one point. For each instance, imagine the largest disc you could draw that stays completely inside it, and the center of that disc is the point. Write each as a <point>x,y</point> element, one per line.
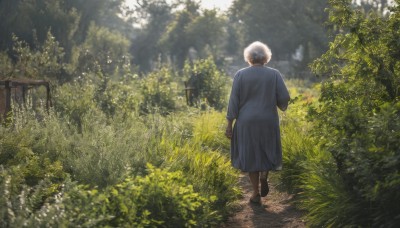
<point>233,107</point>
<point>282,93</point>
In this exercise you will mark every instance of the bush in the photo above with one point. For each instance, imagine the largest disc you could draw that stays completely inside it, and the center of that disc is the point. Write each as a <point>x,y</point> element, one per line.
<point>158,93</point>
<point>74,100</point>
<point>27,187</point>
<point>160,198</point>
<point>323,194</point>
<point>357,117</point>
<point>64,167</point>
<point>210,173</point>
<point>209,83</point>
<point>41,155</point>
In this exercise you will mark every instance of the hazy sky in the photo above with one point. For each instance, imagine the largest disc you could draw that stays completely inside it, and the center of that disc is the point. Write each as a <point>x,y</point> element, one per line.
<point>209,4</point>
<point>222,4</point>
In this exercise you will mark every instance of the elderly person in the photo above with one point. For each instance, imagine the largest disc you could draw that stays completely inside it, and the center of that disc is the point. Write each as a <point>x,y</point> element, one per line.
<point>257,92</point>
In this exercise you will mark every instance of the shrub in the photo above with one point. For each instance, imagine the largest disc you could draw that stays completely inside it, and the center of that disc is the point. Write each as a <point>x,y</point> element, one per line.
<point>74,100</point>
<point>209,82</point>
<point>323,194</point>
<point>40,155</point>
<point>25,188</point>
<point>158,93</point>
<point>209,172</point>
<point>160,198</point>
<point>357,118</point>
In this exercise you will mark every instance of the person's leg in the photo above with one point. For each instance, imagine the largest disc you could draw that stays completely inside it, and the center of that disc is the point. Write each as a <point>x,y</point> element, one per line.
<point>264,183</point>
<point>264,175</point>
<point>254,179</point>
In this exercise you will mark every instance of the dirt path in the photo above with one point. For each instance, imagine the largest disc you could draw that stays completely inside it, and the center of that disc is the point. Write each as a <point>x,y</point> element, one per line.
<point>275,210</point>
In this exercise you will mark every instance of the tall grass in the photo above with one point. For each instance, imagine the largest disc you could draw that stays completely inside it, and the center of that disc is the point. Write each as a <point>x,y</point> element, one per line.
<point>208,131</point>
<point>103,153</point>
<point>311,173</point>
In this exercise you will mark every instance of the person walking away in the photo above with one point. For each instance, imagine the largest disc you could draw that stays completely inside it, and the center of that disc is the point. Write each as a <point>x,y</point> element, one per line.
<point>257,93</point>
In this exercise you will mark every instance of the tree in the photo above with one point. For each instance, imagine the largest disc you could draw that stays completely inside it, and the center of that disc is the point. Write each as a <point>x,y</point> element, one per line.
<point>40,61</point>
<point>194,30</point>
<point>154,17</point>
<point>158,96</point>
<point>68,21</point>
<point>176,41</point>
<point>23,17</point>
<point>358,117</point>
<point>207,35</point>
<point>209,83</point>
<point>101,58</point>
<point>103,51</point>
<point>283,25</point>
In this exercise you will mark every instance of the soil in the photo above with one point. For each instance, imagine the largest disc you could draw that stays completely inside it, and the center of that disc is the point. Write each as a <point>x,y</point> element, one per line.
<point>275,210</point>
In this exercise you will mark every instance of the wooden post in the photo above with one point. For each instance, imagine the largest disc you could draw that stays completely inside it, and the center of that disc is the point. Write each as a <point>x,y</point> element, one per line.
<point>48,99</point>
<point>7,86</point>
<point>186,93</point>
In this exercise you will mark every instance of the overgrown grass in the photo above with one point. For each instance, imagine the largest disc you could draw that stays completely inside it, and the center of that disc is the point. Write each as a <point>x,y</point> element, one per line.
<point>311,173</point>
<point>208,131</point>
<point>55,166</point>
<point>79,166</point>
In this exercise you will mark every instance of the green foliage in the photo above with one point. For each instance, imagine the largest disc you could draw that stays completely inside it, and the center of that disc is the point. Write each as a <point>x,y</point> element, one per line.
<point>42,61</point>
<point>158,91</point>
<point>287,26</point>
<point>67,20</point>
<point>159,199</point>
<point>74,100</point>
<point>299,148</point>
<point>206,34</point>
<point>209,82</point>
<point>193,33</point>
<point>196,187</point>
<point>323,194</point>
<point>309,171</point>
<point>6,66</point>
<point>104,51</point>
<point>209,172</point>
<point>175,38</point>
<point>21,18</point>
<point>208,131</point>
<point>28,179</point>
<point>357,119</point>
<point>84,162</point>
<point>206,168</point>
<point>102,60</point>
<point>156,15</point>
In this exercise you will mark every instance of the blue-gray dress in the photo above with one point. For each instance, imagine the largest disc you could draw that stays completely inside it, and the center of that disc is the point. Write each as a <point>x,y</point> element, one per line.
<point>257,92</point>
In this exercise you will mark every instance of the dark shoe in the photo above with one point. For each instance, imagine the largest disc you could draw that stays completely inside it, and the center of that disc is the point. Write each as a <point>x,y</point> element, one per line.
<point>264,187</point>
<point>255,199</point>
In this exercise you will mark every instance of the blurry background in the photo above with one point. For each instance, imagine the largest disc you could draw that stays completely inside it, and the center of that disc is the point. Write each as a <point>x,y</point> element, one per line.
<point>147,33</point>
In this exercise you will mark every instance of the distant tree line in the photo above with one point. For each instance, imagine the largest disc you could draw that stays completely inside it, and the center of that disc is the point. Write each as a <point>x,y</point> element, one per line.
<point>112,35</point>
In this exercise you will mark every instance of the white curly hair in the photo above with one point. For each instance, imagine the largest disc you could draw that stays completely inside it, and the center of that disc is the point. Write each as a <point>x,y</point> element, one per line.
<point>257,53</point>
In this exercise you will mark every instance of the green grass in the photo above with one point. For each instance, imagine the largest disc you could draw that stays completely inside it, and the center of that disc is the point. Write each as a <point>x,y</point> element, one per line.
<point>53,165</point>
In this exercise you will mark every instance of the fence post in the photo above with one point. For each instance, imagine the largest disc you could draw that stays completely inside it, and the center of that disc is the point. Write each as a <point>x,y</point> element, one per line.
<point>7,86</point>
<point>48,97</point>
